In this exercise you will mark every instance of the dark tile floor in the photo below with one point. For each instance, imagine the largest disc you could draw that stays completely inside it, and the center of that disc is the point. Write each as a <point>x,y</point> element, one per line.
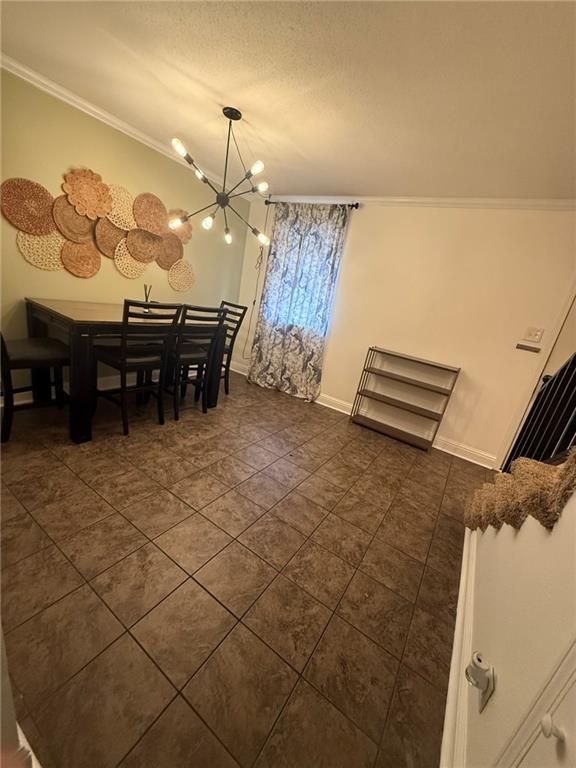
<point>264,585</point>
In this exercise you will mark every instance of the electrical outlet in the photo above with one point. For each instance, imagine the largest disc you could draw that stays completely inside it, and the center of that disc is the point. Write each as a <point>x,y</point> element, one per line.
<point>534,335</point>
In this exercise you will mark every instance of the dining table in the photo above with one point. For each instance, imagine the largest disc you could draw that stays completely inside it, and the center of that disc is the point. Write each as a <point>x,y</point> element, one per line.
<point>79,323</point>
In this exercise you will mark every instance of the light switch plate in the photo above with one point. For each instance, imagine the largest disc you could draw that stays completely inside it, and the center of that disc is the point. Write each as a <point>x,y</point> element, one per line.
<point>534,335</point>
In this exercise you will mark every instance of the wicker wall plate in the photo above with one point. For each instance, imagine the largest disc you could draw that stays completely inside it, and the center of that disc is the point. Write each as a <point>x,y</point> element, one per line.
<point>107,237</point>
<point>181,276</point>
<point>43,251</point>
<point>28,206</point>
<point>121,212</point>
<point>150,213</point>
<point>126,264</point>
<point>79,229</point>
<point>87,193</point>
<point>184,231</point>
<point>143,246</point>
<point>171,251</point>
<point>81,259</point>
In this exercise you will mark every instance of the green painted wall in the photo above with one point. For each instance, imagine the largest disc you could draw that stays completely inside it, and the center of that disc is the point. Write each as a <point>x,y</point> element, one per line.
<point>42,137</point>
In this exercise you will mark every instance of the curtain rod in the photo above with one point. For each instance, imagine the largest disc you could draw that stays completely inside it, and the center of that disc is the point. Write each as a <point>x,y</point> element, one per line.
<point>350,205</point>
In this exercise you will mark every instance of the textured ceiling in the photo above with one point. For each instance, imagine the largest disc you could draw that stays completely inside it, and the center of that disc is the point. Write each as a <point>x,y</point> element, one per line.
<point>409,99</point>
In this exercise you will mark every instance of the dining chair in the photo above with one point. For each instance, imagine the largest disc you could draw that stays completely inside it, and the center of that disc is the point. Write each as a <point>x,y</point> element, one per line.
<point>198,332</point>
<point>30,354</point>
<point>234,317</point>
<point>148,333</point>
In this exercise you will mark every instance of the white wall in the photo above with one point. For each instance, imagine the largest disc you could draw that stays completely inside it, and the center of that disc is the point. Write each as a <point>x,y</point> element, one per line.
<point>524,620</point>
<point>454,284</point>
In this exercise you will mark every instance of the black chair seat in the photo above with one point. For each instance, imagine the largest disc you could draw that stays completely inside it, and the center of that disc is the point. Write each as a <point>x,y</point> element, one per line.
<point>113,357</point>
<point>37,353</point>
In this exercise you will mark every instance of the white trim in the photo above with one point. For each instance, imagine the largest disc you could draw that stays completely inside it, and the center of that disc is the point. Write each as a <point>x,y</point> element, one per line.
<point>68,97</point>
<point>49,86</point>
<point>239,366</point>
<point>548,699</point>
<point>512,203</point>
<point>336,405</point>
<point>465,452</point>
<point>454,740</point>
<point>443,444</point>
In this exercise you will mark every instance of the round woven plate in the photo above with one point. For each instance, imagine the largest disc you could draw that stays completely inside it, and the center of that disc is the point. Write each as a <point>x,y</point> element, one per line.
<point>181,276</point>
<point>81,259</point>
<point>121,212</point>
<point>171,251</point>
<point>184,231</point>
<point>150,213</point>
<point>107,237</point>
<point>28,206</point>
<point>43,251</point>
<point>74,227</point>
<point>126,264</point>
<point>143,246</point>
<point>87,193</point>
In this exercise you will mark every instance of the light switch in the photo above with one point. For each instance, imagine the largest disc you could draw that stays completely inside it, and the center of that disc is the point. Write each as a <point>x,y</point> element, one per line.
<point>534,335</point>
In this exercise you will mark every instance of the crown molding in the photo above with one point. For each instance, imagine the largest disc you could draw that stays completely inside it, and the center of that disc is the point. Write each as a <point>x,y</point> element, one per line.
<point>68,97</point>
<point>515,204</point>
<point>52,88</point>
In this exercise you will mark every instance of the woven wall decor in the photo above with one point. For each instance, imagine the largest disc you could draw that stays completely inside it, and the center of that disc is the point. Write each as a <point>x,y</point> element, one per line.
<point>171,251</point>
<point>121,212</point>
<point>107,236</point>
<point>143,246</point>
<point>81,259</point>
<point>28,206</point>
<point>181,276</point>
<point>127,264</point>
<point>184,231</point>
<point>42,251</point>
<point>87,193</point>
<point>150,213</point>
<point>79,229</point>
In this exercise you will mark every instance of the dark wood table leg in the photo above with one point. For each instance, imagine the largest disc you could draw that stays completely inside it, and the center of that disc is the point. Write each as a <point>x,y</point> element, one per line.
<point>41,384</point>
<point>82,392</point>
<point>213,376</point>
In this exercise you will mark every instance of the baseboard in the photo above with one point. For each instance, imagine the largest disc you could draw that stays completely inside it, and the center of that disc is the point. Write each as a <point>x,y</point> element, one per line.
<point>240,366</point>
<point>454,740</point>
<point>465,452</point>
<point>333,402</point>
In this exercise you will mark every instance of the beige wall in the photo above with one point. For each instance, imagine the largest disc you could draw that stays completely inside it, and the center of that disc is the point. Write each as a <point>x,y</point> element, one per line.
<point>41,139</point>
<point>565,345</point>
<point>456,285</point>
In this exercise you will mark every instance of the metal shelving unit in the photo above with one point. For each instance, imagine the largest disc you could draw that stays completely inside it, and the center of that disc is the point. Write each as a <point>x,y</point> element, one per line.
<point>402,396</point>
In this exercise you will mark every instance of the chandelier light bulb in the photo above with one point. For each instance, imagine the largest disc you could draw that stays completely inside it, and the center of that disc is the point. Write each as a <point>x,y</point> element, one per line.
<point>208,222</point>
<point>263,187</point>
<point>179,147</point>
<point>175,223</point>
<point>227,236</point>
<point>257,167</point>
<point>263,239</point>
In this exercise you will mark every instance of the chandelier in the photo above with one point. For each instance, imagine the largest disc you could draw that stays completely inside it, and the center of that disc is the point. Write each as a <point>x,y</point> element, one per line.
<point>224,196</point>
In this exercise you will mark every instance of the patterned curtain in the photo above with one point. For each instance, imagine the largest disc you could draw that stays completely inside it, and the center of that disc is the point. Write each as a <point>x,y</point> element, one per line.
<point>297,297</point>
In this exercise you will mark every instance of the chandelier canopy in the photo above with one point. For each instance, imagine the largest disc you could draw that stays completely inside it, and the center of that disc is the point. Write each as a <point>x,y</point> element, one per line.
<point>225,196</point>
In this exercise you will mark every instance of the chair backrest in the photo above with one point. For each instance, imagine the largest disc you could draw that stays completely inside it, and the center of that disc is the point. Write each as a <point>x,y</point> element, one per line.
<point>234,316</point>
<point>199,327</point>
<point>149,327</point>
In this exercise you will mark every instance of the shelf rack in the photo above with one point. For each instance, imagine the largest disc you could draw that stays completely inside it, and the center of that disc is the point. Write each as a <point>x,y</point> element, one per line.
<point>402,396</point>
